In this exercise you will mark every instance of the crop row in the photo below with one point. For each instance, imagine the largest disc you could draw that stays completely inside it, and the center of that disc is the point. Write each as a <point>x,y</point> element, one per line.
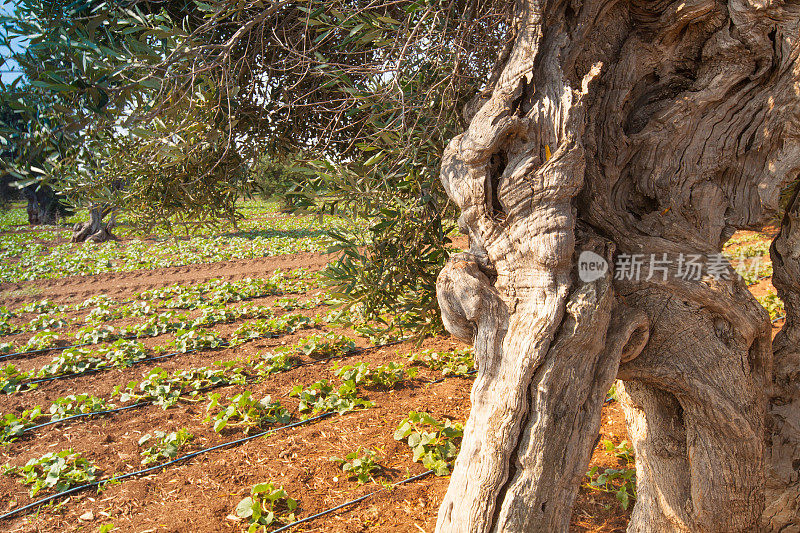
<point>212,294</point>
<point>278,236</point>
<point>189,336</point>
<point>158,387</point>
<point>61,471</point>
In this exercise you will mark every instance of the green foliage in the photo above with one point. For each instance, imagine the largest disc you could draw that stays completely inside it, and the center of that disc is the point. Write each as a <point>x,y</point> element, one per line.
<point>386,376</point>
<point>163,445</point>
<point>275,177</point>
<point>773,304</point>
<point>7,347</point>
<point>94,335</point>
<point>618,481</point>
<point>320,397</point>
<point>269,328</point>
<point>195,339</point>
<point>270,363</point>
<point>121,353</point>
<point>89,114</point>
<point>11,426</point>
<point>379,334</point>
<point>57,470</point>
<point>76,404</point>
<point>757,249</point>
<point>247,412</point>
<point>155,110</point>
<point>13,380</point>
<point>47,321</point>
<point>359,464</point>
<point>434,443</point>
<point>622,451</point>
<point>165,390</point>
<point>611,395</point>
<point>266,505</point>
<point>42,339</point>
<point>41,306</point>
<point>458,362</point>
<point>326,345</point>
<point>753,271</point>
<point>266,238</point>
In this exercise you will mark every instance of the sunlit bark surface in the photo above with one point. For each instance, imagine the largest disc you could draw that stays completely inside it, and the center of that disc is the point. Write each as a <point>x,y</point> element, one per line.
<point>629,129</point>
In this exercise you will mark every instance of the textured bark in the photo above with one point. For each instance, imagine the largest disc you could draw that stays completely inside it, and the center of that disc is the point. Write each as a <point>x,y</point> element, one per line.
<point>44,205</point>
<point>627,128</point>
<point>783,475</point>
<point>95,230</point>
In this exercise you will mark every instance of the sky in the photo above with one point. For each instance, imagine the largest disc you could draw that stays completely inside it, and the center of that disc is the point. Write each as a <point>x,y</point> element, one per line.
<point>6,70</point>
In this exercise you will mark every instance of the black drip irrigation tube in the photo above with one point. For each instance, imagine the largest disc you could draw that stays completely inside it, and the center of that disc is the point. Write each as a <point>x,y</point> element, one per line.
<point>67,347</point>
<point>206,389</point>
<point>224,344</point>
<point>81,488</point>
<point>351,502</point>
<point>129,337</point>
<point>84,415</point>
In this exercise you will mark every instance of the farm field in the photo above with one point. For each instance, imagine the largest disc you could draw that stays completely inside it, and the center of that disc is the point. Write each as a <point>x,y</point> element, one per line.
<point>210,339</point>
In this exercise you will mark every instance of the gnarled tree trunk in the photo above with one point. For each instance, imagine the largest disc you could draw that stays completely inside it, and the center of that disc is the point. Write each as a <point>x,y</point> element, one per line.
<point>645,133</point>
<point>783,417</point>
<point>44,207</point>
<point>95,230</point>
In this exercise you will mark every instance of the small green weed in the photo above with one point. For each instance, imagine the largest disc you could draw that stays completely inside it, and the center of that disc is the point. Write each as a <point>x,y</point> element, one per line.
<point>773,305</point>
<point>618,481</point>
<point>266,505</point>
<point>434,443</point>
<point>59,470</point>
<point>359,464</point>
<point>163,445</point>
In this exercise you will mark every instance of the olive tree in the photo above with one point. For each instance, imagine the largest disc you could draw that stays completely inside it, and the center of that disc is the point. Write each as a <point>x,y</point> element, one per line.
<point>638,135</point>
<point>647,134</point>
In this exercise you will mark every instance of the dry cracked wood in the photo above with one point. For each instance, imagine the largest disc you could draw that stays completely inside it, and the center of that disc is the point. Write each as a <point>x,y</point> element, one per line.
<point>645,128</point>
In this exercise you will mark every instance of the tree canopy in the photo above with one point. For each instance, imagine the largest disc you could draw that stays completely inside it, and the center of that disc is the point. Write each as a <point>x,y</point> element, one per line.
<point>160,108</point>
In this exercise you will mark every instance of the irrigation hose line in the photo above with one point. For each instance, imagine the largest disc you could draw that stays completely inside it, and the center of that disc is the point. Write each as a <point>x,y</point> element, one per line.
<point>351,502</point>
<point>59,348</point>
<point>216,386</point>
<point>81,488</point>
<point>223,344</point>
<point>83,415</point>
<point>74,490</point>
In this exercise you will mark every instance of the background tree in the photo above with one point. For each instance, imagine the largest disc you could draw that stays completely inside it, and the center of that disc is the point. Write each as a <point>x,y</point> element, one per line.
<point>371,91</point>
<point>95,114</point>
